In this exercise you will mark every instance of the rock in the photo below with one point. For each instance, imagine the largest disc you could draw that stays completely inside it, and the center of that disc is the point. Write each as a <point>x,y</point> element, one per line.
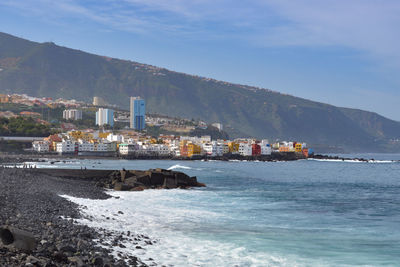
<point>144,179</point>
<point>98,261</point>
<point>76,260</point>
<point>131,181</point>
<point>138,188</point>
<point>67,248</point>
<point>169,183</point>
<point>156,178</point>
<point>122,187</point>
<point>31,259</point>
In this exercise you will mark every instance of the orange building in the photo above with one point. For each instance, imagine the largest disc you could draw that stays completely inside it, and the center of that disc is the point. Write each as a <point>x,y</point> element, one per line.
<point>193,150</point>
<point>305,152</point>
<point>284,149</point>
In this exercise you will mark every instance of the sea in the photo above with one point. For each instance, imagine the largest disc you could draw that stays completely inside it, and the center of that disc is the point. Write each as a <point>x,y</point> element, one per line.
<point>295,213</point>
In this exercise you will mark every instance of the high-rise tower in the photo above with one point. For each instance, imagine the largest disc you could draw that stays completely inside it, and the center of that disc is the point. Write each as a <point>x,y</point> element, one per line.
<point>138,113</point>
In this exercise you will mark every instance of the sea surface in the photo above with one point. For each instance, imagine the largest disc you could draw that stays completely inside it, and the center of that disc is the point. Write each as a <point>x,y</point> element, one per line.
<point>298,213</point>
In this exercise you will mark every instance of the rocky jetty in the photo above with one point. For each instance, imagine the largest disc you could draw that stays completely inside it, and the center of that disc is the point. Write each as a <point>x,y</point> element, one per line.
<point>133,180</point>
<point>128,180</point>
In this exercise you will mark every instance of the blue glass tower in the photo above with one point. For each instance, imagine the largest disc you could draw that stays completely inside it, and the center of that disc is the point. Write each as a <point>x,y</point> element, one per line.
<point>138,113</point>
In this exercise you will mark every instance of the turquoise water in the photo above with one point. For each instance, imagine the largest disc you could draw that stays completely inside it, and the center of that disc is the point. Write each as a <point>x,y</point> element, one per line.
<point>302,213</point>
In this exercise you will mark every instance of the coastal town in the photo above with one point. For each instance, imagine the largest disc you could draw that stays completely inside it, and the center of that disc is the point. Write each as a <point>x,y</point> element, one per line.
<point>133,140</point>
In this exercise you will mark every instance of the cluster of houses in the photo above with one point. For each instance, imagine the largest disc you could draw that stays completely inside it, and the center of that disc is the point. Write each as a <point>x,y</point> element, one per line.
<point>39,101</point>
<point>107,143</point>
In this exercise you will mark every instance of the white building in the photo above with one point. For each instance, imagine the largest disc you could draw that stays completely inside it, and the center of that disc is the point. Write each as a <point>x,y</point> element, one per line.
<point>105,116</point>
<point>128,149</point>
<point>245,149</point>
<point>218,126</point>
<point>175,150</point>
<point>72,114</point>
<point>220,149</point>
<point>115,138</point>
<point>196,139</point>
<point>224,148</point>
<point>41,146</point>
<point>210,149</point>
<point>66,146</point>
<point>162,150</point>
<point>84,146</point>
<point>266,149</point>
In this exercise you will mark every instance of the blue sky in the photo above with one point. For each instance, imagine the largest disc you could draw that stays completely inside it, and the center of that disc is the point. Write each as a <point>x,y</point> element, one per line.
<point>344,53</point>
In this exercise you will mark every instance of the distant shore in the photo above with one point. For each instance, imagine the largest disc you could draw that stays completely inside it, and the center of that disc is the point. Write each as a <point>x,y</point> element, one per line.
<point>275,156</point>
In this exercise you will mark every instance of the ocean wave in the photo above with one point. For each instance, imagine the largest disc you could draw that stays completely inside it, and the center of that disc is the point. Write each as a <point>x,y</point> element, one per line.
<point>168,228</point>
<point>177,166</point>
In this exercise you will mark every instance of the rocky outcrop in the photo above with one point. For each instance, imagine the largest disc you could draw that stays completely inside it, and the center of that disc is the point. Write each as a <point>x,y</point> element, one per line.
<point>134,180</point>
<point>127,180</point>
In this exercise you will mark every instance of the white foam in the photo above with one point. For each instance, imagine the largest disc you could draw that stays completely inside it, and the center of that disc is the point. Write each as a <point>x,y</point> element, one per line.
<point>177,166</point>
<point>166,217</point>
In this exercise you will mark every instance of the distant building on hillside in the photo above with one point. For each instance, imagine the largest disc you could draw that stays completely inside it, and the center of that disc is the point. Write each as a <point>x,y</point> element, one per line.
<point>72,114</point>
<point>98,101</point>
<point>218,126</point>
<point>105,116</point>
<point>138,113</point>
<point>4,98</point>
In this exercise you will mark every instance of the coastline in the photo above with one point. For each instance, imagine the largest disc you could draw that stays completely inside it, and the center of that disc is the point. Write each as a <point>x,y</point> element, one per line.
<point>276,156</point>
<point>19,158</point>
<point>33,202</point>
<point>41,200</point>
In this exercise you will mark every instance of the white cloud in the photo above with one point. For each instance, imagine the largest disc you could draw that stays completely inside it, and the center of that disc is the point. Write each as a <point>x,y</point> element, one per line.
<point>370,26</point>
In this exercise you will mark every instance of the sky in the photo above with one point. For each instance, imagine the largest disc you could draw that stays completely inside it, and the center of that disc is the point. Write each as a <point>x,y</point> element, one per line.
<point>340,52</point>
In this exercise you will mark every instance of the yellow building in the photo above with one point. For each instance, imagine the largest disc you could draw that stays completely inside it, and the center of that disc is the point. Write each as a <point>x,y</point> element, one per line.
<point>81,135</point>
<point>298,147</point>
<point>233,147</point>
<point>193,150</point>
<point>103,135</point>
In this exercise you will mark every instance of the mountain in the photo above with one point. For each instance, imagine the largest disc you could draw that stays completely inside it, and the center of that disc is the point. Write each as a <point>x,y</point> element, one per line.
<point>45,69</point>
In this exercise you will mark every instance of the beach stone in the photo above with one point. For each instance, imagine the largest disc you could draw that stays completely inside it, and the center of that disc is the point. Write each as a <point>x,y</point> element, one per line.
<point>98,261</point>
<point>76,260</point>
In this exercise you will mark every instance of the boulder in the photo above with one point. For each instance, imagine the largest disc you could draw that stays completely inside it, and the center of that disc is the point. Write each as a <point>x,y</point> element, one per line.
<point>122,187</point>
<point>144,179</point>
<point>169,182</point>
<point>131,181</point>
<point>137,180</point>
<point>156,178</point>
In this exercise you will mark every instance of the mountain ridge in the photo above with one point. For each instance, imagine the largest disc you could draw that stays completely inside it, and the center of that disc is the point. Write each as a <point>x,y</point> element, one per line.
<point>46,69</point>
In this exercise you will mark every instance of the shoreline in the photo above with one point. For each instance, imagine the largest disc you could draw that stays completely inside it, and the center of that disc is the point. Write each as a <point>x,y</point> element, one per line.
<point>34,202</point>
<point>274,157</point>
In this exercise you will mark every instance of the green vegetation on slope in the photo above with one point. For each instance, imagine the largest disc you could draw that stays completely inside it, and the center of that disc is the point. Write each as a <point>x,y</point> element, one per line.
<point>20,126</point>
